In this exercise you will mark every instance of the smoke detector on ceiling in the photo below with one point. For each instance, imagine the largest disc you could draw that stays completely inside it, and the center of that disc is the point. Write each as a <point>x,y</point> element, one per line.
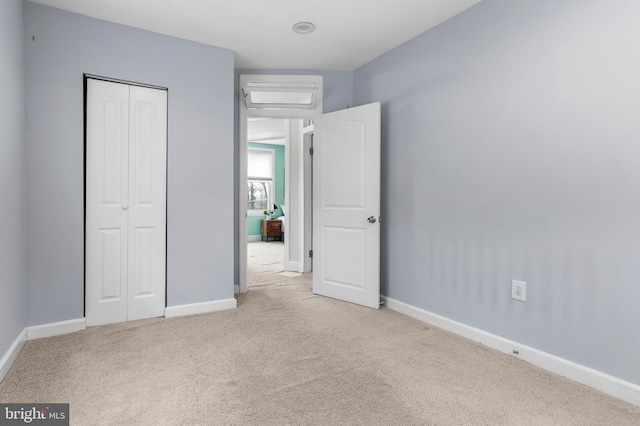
<point>304,28</point>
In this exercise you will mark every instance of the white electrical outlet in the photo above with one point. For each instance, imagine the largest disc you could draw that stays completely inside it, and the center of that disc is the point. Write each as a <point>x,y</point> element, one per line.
<point>519,290</point>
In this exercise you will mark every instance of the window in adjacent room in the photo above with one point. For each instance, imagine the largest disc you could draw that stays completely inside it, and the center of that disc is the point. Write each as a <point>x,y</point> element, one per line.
<point>260,180</point>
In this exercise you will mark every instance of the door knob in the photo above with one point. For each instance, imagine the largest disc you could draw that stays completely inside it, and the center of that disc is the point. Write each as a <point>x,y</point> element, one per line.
<point>371,219</point>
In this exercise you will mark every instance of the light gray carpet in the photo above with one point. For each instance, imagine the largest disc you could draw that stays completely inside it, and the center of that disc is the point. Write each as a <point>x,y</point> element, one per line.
<point>263,259</point>
<point>287,357</point>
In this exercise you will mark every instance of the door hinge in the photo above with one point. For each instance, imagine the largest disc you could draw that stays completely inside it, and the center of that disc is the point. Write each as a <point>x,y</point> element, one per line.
<point>311,151</point>
<point>310,253</point>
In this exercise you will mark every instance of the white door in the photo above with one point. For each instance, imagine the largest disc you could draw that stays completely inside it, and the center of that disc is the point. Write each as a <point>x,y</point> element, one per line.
<point>125,202</point>
<point>346,205</point>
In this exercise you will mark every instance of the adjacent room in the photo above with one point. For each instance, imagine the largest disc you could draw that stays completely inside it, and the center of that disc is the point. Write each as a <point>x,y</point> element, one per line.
<point>420,213</point>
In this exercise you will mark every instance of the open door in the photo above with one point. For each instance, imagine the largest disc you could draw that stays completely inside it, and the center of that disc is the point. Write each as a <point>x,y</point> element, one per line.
<point>346,205</point>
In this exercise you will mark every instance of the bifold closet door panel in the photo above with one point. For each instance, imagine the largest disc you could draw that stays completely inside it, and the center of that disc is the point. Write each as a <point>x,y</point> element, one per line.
<point>107,194</point>
<point>147,194</point>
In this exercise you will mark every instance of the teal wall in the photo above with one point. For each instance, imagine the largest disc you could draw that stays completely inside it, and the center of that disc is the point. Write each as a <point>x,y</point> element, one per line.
<point>253,222</point>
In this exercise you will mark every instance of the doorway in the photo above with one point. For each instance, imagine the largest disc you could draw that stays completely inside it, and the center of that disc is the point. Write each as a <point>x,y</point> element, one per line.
<point>291,99</point>
<point>266,209</point>
<point>125,201</point>
<point>278,241</point>
<point>346,187</point>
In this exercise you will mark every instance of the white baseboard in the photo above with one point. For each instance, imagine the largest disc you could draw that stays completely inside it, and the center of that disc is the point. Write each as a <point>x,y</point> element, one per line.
<point>293,266</point>
<point>38,332</point>
<point>12,353</point>
<point>200,308</point>
<point>603,382</point>
<point>251,238</point>
<point>71,326</point>
<point>55,328</point>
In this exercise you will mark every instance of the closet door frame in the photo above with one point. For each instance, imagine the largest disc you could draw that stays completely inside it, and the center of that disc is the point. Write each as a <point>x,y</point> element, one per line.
<point>86,78</point>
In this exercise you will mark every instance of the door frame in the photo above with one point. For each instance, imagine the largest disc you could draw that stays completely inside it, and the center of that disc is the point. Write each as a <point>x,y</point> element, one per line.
<point>244,114</point>
<point>307,170</point>
<point>85,79</point>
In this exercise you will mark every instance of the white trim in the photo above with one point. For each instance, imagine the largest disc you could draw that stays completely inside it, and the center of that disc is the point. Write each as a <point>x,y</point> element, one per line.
<point>12,353</point>
<point>283,110</point>
<point>287,196</point>
<point>55,328</point>
<point>307,198</point>
<point>254,238</point>
<point>293,267</point>
<point>38,332</point>
<point>295,197</point>
<point>200,308</point>
<point>313,91</point>
<point>603,382</point>
<point>242,195</point>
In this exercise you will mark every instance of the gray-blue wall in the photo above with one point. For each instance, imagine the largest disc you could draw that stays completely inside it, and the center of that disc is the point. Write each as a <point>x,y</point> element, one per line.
<point>60,47</point>
<point>12,177</point>
<point>511,149</point>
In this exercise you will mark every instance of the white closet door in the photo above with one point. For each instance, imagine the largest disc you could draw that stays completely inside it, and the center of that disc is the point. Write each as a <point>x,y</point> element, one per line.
<point>125,202</point>
<point>147,195</point>
<point>107,189</point>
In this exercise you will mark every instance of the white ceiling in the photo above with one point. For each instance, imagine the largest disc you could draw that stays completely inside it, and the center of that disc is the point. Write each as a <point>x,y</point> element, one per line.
<point>266,129</point>
<point>349,33</point>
